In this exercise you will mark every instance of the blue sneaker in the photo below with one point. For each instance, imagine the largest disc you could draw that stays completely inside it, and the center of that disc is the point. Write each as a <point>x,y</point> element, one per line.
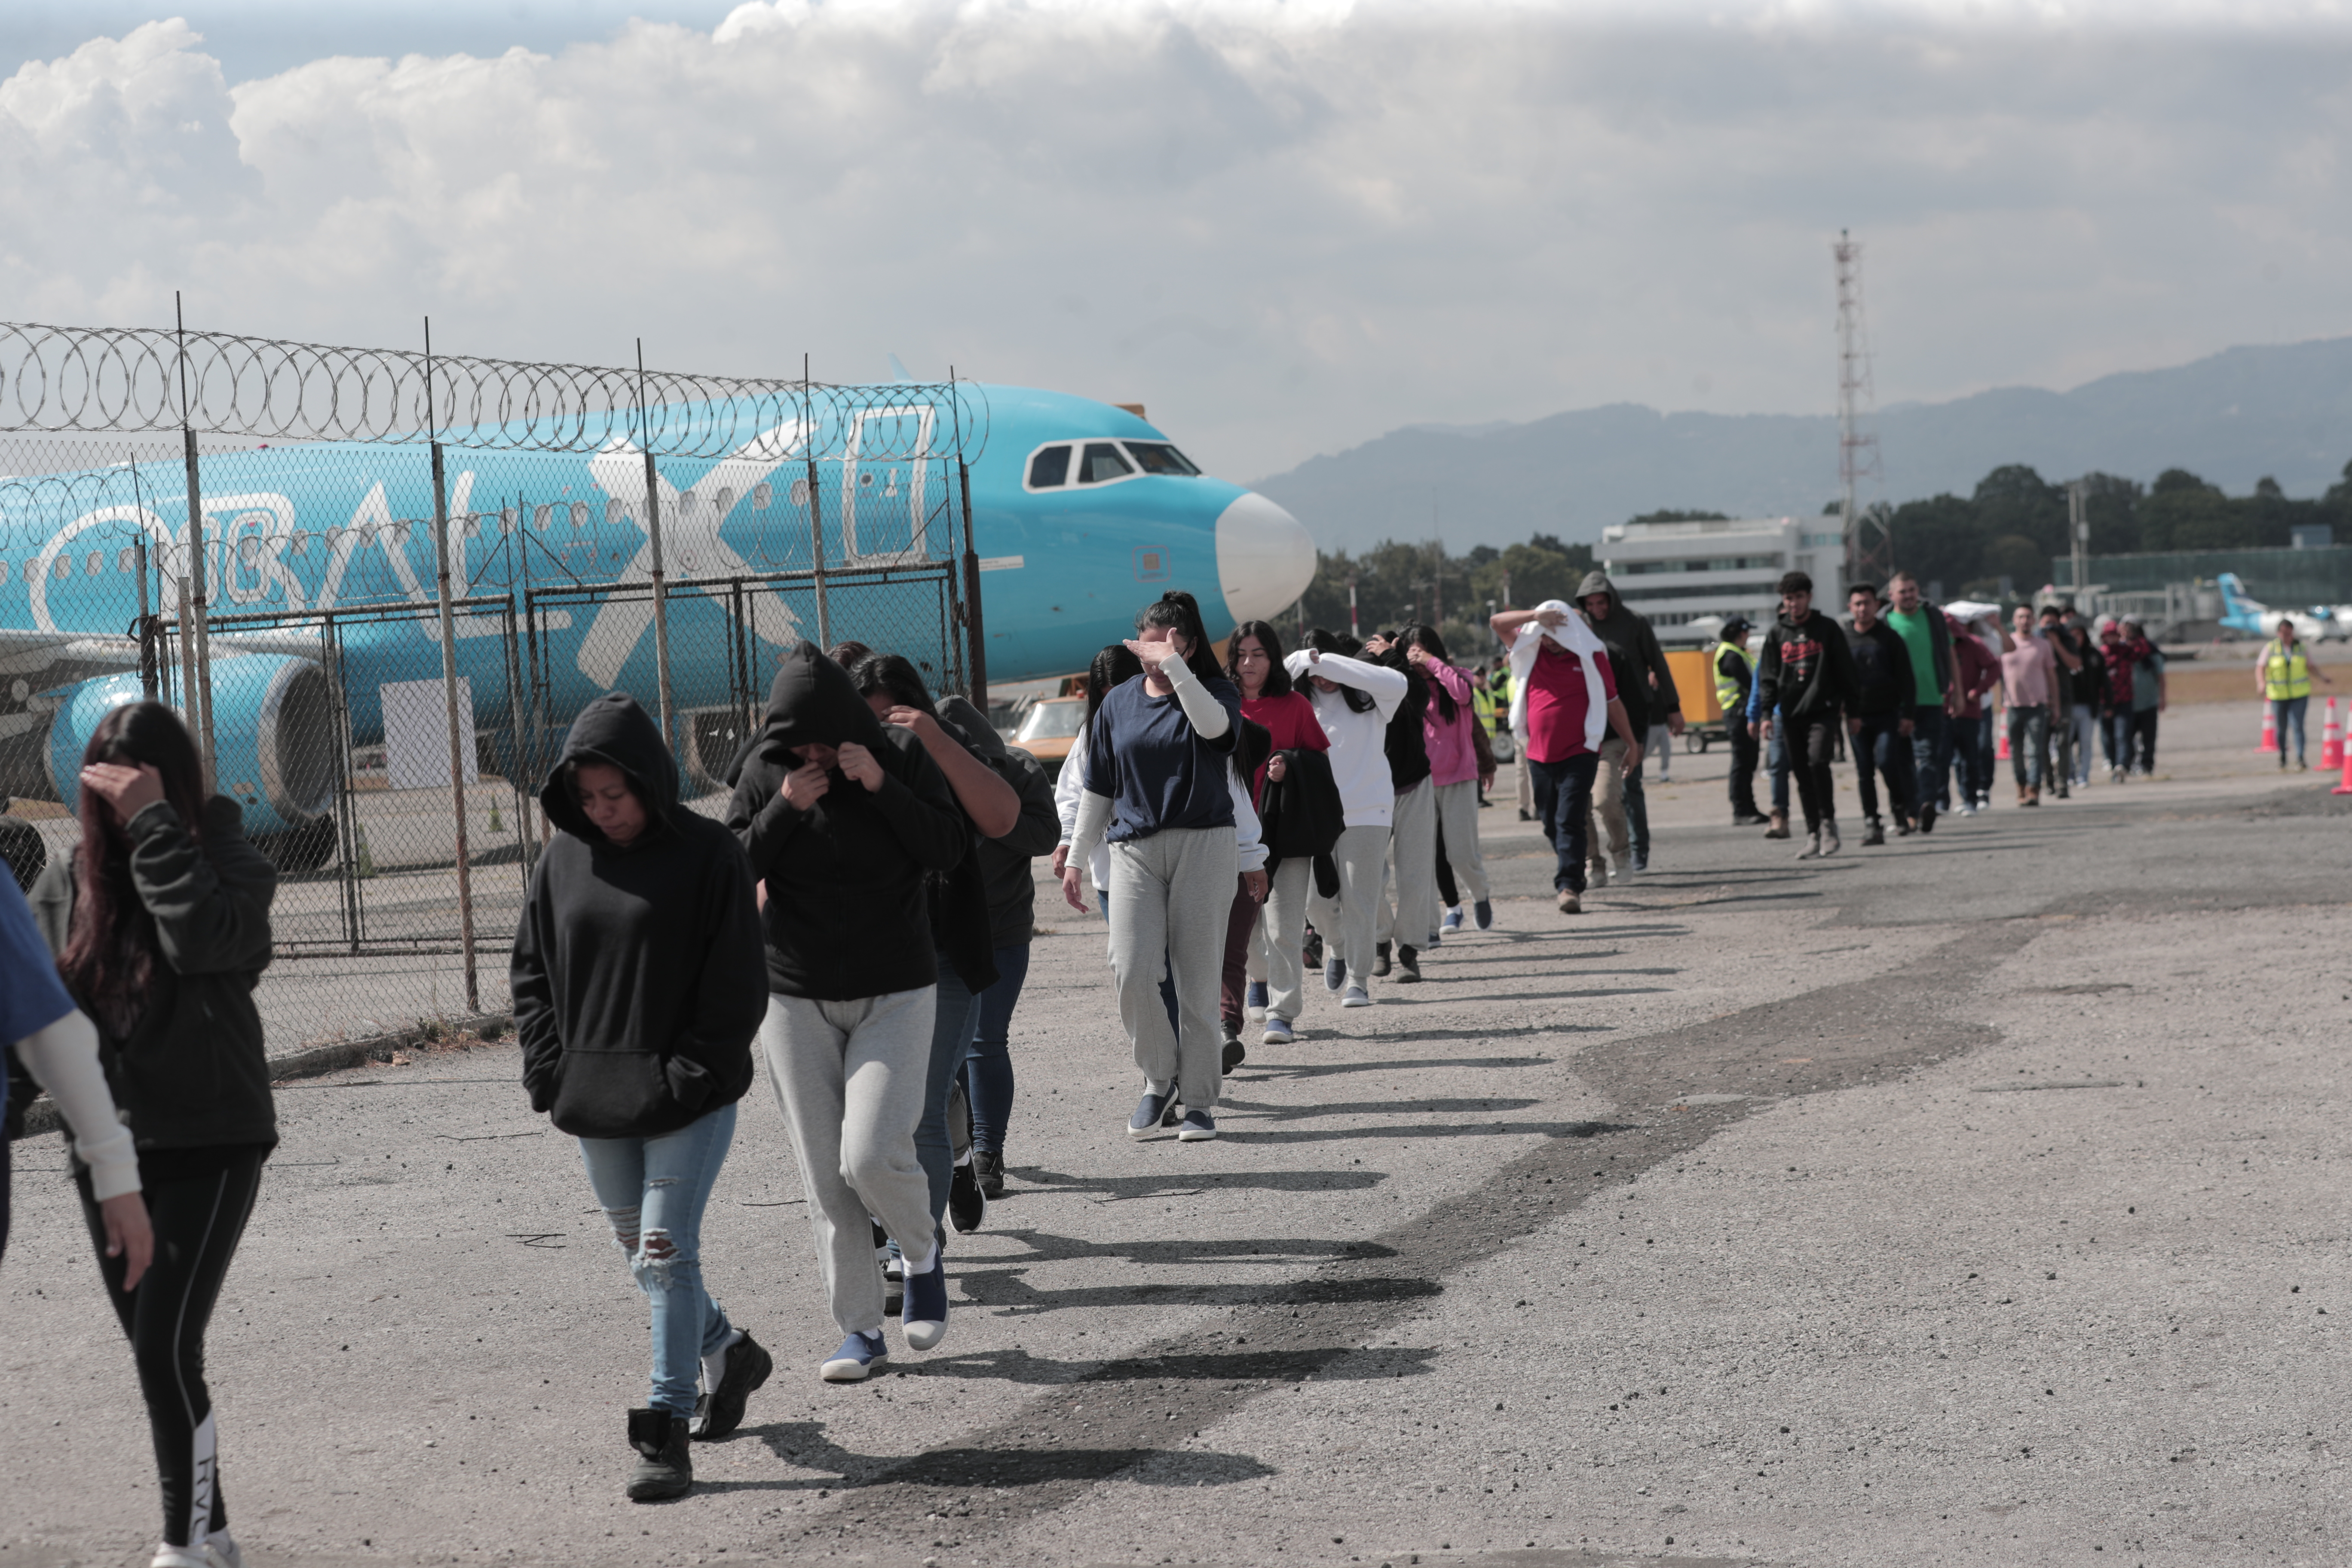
<point>1335,974</point>
<point>1145,1120</point>
<point>860,1357</point>
<point>1198,1126</point>
<point>1357,996</point>
<point>1483,911</point>
<point>1453,918</point>
<point>1254,999</point>
<point>1277,1031</point>
<point>925,1318</point>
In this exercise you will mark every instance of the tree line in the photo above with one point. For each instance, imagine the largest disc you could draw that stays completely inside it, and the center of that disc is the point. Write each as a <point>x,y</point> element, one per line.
<point>2014,523</point>
<point>1397,582</point>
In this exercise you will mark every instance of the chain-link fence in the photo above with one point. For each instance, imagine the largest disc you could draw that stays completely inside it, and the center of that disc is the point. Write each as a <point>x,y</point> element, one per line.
<point>399,578</point>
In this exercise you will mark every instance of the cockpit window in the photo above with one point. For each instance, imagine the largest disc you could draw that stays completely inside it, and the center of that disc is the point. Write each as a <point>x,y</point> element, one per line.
<point>1102,462</point>
<point>1049,467</point>
<point>1159,457</point>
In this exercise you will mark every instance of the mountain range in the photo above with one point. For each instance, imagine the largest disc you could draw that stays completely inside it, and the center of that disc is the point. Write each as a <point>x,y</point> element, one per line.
<point>2279,411</point>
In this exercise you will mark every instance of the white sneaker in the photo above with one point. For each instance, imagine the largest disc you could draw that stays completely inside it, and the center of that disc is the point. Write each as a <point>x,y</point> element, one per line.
<point>199,1554</point>
<point>1812,849</point>
<point>1355,998</point>
<point>1831,843</point>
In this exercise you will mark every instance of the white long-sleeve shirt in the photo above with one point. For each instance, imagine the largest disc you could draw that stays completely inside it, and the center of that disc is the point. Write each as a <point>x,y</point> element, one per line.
<point>1360,758</point>
<point>63,1059</point>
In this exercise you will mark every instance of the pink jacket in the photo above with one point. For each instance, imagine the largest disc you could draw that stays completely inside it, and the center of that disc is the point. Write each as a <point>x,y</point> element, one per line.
<point>1453,756</point>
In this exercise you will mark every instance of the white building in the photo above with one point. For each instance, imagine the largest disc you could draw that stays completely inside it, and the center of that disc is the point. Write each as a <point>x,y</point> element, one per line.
<point>1678,574</point>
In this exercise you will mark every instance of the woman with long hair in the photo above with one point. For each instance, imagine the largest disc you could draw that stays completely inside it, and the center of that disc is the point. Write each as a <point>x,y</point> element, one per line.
<point>1159,761</point>
<point>1254,661</point>
<point>160,919</point>
<point>638,985</point>
<point>1012,814</point>
<point>1450,729</point>
<point>1354,700</point>
<point>845,820</point>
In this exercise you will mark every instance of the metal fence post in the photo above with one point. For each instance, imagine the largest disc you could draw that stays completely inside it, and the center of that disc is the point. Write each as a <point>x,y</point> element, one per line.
<point>188,701</point>
<point>192,610</point>
<point>816,514</point>
<point>449,694</point>
<point>654,545</point>
<point>971,596</point>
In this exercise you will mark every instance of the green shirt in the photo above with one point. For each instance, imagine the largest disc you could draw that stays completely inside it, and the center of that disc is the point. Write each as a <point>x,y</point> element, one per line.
<point>1919,642</point>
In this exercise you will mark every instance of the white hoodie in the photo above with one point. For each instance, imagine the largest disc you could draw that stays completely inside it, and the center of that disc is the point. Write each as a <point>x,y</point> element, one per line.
<point>1359,757</point>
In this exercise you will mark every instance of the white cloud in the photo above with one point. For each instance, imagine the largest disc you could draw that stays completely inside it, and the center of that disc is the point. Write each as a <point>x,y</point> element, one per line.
<point>1285,228</point>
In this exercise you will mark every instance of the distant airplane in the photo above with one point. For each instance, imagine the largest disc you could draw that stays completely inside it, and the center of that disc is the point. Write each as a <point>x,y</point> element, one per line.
<point>1082,512</point>
<point>2242,613</point>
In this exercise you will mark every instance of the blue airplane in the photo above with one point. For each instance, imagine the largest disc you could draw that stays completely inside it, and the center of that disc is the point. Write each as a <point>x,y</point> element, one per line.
<point>1081,512</point>
<point>2243,614</point>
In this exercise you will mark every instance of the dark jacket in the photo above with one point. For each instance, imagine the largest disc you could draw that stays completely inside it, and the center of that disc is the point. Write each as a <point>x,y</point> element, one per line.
<point>1634,648</point>
<point>637,971</point>
<point>1406,743</point>
<point>1881,672</point>
<point>192,1073</point>
<point>1011,887</point>
<point>1302,816</point>
<point>1805,670</point>
<point>1940,643</point>
<point>847,915</point>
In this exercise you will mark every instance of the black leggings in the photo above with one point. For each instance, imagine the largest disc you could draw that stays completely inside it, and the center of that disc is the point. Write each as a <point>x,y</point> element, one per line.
<point>198,1221</point>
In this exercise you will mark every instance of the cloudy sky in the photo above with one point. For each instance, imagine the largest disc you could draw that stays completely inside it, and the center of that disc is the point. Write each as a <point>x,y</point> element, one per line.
<point>1285,227</point>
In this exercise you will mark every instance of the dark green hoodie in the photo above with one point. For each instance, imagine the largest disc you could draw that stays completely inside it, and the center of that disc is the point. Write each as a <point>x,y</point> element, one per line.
<point>847,915</point>
<point>636,973</point>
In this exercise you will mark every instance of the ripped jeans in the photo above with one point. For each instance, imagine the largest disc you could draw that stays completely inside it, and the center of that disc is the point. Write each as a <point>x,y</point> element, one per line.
<point>653,1191</point>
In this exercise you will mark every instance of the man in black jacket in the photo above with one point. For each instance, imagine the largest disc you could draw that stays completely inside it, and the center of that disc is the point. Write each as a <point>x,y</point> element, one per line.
<point>1807,675</point>
<point>1886,694</point>
<point>1646,687</point>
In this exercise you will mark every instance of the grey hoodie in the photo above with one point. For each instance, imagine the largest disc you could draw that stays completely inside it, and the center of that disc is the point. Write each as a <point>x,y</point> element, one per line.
<point>1634,648</point>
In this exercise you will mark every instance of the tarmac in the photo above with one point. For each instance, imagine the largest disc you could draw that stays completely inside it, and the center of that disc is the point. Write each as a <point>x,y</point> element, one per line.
<point>1900,1207</point>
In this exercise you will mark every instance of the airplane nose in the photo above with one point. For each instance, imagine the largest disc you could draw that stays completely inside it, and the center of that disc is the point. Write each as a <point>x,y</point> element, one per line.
<point>1264,558</point>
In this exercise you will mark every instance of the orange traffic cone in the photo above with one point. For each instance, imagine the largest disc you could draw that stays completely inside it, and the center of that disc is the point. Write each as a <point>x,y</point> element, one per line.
<point>2000,741</point>
<point>2331,740</point>
<point>2270,730</point>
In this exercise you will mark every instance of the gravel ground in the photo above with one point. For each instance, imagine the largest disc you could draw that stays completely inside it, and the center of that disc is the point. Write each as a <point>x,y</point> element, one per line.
<point>1988,1166</point>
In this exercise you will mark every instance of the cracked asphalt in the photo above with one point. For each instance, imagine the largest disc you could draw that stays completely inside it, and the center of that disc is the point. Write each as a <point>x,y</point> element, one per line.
<point>1968,1201</point>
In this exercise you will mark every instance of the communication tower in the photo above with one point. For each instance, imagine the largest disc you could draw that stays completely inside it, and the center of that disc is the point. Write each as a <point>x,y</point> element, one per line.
<point>1869,543</point>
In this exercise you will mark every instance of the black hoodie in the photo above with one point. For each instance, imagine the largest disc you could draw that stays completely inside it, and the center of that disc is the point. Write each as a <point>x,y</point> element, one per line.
<point>1406,744</point>
<point>1005,861</point>
<point>1634,654</point>
<point>1806,669</point>
<point>846,914</point>
<point>636,970</point>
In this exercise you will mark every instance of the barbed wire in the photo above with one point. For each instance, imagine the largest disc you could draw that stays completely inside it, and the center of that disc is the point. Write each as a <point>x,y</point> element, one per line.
<point>59,380</point>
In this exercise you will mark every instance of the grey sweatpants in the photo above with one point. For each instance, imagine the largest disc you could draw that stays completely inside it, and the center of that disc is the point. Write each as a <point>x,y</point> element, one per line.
<point>1411,876</point>
<point>1346,922</point>
<point>1605,813</point>
<point>849,1077</point>
<point>1457,814</point>
<point>1171,896</point>
<point>1274,951</point>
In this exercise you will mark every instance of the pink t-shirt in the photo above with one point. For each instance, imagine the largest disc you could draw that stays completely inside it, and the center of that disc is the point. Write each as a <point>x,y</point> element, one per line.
<point>1556,701</point>
<point>1452,755</point>
<point>2029,673</point>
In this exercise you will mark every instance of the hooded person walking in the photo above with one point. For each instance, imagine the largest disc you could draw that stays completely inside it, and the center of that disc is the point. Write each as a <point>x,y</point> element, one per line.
<point>1806,675</point>
<point>1645,684</point>
<point>844,819</point>
<point>637,977</point>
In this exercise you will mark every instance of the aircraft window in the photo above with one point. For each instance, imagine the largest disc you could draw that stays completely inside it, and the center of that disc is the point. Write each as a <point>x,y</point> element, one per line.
<point>65,569</point>
<point>1049,467</point>
<point>94,566</point>
<point>127,562</point>
<point>4,570</point>
<point>612,511</point>
<point>301,545</point>
<point>1159,457</point>
<point>799,492</point>
<point>726,501</point>
<point>579,515</point>
<point>1101,463</point>
<point>248,549</point>
<point>473,525</point>
<point>763,495</point>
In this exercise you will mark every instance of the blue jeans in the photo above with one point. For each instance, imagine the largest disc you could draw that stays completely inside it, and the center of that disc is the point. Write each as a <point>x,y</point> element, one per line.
<point>988,1069</point>
<point>951,1026</point>
<point>2288,711</point>
<point>1931,757</point>
<point>1972,744</point>
<point>653,1192</point>
<point>1563,790</point>
<point>2029,739</point>
<point>1882,749</point>
<point>2118,724</point>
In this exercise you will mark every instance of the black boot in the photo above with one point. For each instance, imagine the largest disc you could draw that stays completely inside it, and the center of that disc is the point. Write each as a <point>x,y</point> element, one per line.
<point>665,1469</point>
<point>1379,960</point>
<point>1407,962</point>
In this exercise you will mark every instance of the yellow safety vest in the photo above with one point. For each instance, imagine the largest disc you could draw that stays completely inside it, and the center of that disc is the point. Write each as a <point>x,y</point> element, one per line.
<point>2286,672</point>
<point>1482,702</point>
<point>1727,694</point>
